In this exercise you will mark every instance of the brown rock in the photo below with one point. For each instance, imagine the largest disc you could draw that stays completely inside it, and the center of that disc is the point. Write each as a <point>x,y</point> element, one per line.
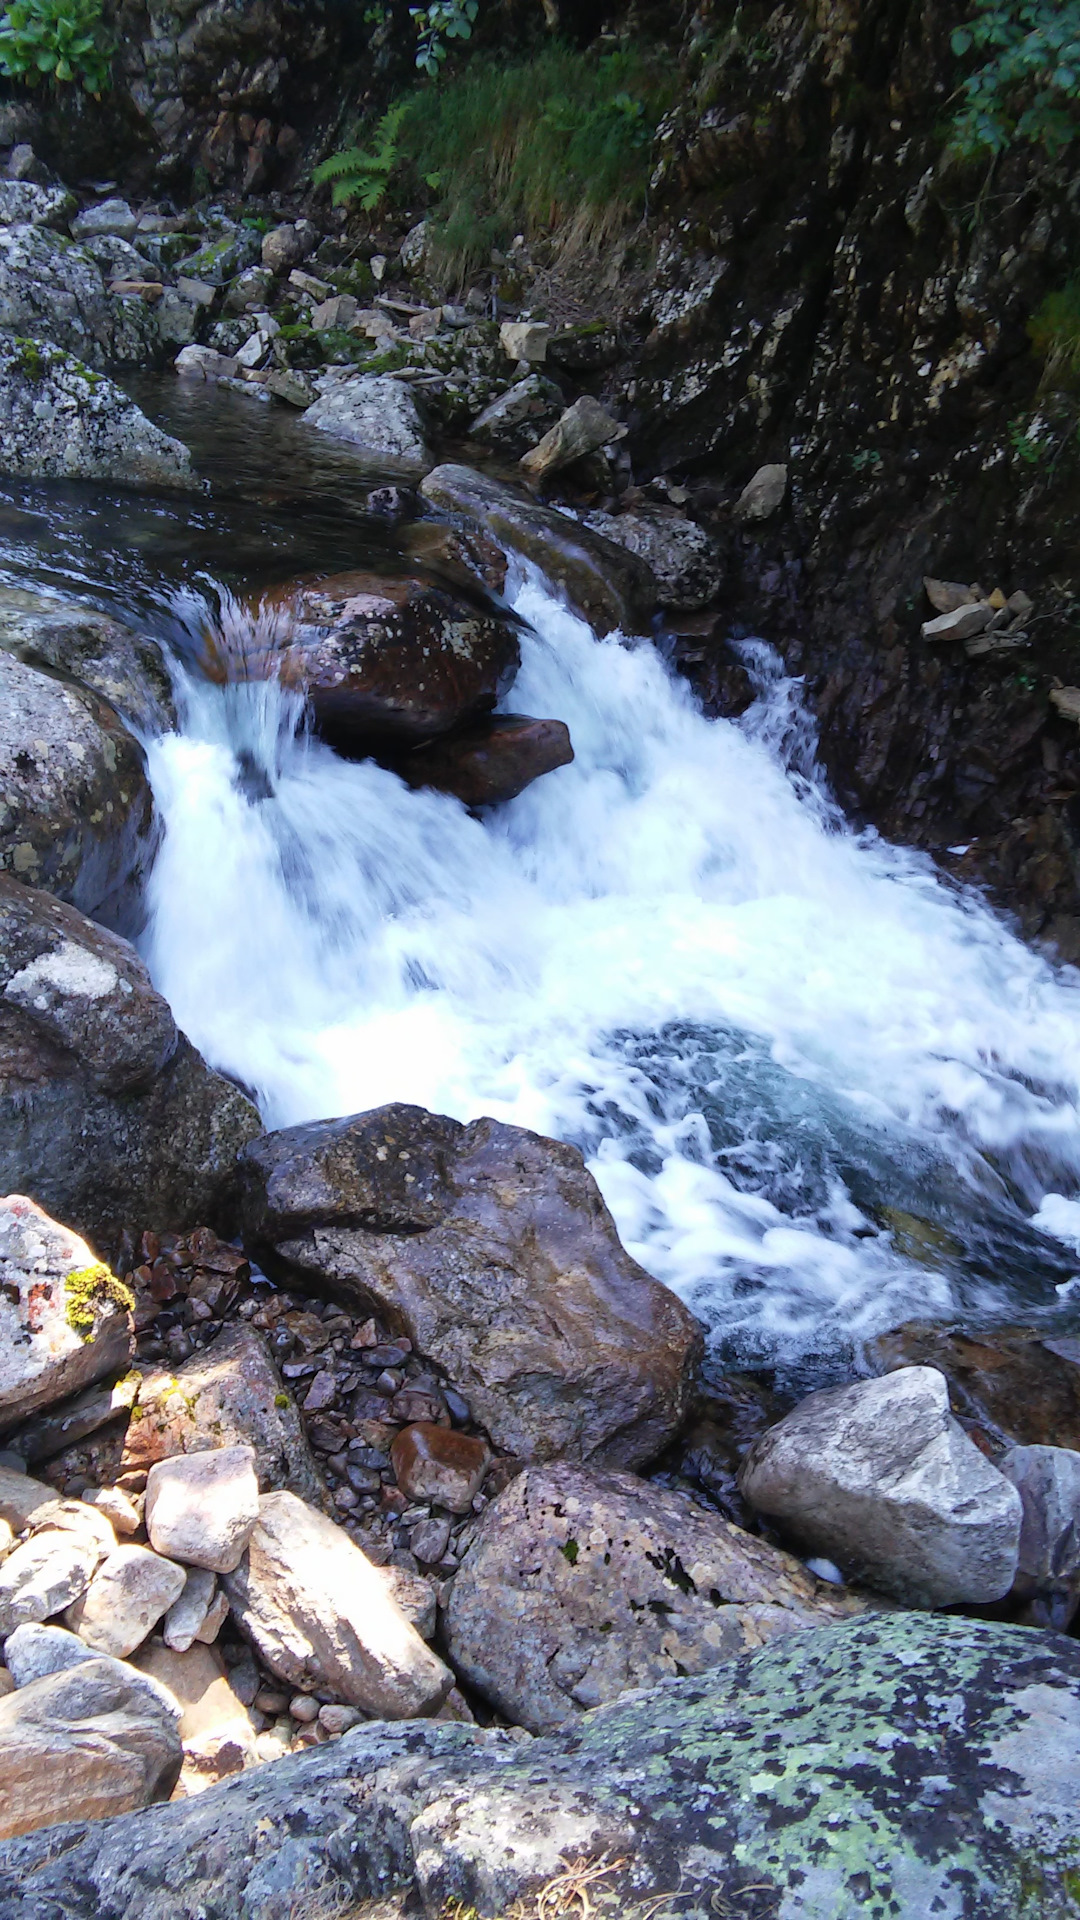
<point>580,1586</point>
<point>1008,1386</point>
<point>435,1463</point>
<point>227,1395</point>
<point>491,762</point>
<point>493,1250</point>
<point>83,1744</point>
<point>217,1735</point>
<point>583,429</point>
<point>63,1316</point>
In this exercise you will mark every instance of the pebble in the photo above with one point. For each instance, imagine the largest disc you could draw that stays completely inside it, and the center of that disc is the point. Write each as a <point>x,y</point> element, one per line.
<point>339,1719</point>
<point>303,1708</point>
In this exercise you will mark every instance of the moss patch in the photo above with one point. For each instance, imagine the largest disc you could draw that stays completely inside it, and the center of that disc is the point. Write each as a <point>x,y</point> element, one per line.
<point>92,1292</point>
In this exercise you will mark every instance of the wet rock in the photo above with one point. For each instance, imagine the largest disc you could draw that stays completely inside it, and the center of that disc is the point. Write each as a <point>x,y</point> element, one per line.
<point>83,1744</point>
<point>434,1463</point>
<point>43,1576</point>
<point>75,803</point>
<point>64,1320</point>
<point>90,1053</point>
<point>492,1249</point>
<point>881,1479</point>
<point>378,416</point>
<point>320,1616</point>
<point>579,1586</point>
<point>525,340</point>
<point>493,762</point>
<point>24,204</point>
<point>763,494</point>
<point>62,422</point>
<point>124,667</point>
<point>394,659</point>
<point>1008,1386</point>
<point>201,1508</point>
<point>53,291</point>
<point>519,418</point>
<point>188,1615</point>
<point>583,429</point>
<point>606,585</point>
<point>126,1598</point>
<point>685,559</point>
<point>653,1792</point>
<point>108,217</point>
<point>216,1733</point>
<point>229,1394</point>
<point>1048,1570</point>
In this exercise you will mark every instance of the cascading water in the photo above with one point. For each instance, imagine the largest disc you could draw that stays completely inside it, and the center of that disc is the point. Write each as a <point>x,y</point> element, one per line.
<point>821,1090</point>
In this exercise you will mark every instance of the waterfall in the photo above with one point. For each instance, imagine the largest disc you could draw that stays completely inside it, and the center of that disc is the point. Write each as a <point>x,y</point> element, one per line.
<point>822,1090</point>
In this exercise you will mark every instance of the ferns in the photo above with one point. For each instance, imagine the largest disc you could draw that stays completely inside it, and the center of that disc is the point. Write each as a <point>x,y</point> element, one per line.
<point>363,173</point>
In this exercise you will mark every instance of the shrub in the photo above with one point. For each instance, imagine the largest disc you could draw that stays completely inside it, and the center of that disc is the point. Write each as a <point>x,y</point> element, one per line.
<point>55,40</point>
<point>1055,335</point>
<point>1028,86</point>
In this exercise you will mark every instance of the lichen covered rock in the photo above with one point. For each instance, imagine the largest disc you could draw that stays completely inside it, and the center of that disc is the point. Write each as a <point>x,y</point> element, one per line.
<point>61,421</point>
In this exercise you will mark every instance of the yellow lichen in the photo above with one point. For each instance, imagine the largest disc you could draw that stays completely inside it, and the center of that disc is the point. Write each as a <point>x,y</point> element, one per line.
<point>92,1291</point>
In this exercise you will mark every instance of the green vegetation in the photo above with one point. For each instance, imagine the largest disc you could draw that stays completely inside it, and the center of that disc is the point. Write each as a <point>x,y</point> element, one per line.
<point>558,145</point>
<point>92,1291</point>
<point>446,20</point>
<point>55,40</point>
<point>1055,336</point>
<point>1027,88</point>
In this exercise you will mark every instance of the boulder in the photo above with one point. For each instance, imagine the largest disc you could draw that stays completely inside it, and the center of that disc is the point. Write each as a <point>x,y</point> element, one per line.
<point>217,1735</point>
<point>390,660</point>
<point>519,418</point>
<point>493,1250</point>
<point>378,416</point>
<point>76,642</point>
<point>434,1463</point>
<point>880,1479</point>
<point>286,246</point>
<point>685,559</point>
<point>82,1744</point>
<point>321,1617</point>
<point>1048,1568</point>
<point>53,291</point>
<point>889,1765</point>
<point>202,1508</point>
<point>492,762</point>
<point>108,218</point>
<point>229,1395</point>
<point>22,203</point>
<point>583,429</point>
<point>35,1650</point>
<point>1008,1386</point>
<point>763,494</point>
<point>63,422</point>
<point>43,1576</point>
<point>64,1319</point>
<point>603,583</point>
<point>75,805</point>
<point>579,1586</point>
<point>126,1598</point>
<point>107,1114</point>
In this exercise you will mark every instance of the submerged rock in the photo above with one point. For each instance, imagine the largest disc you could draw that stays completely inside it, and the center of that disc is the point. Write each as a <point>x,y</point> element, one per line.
<point>579,1586</point>
<point>107,1114</point>
<point>125,667</point>
<point>899,1765</point>
<point>882,1480</point>
<point>493,1250</point>
<point>63,1318</point>
<point>82,1744</point>
<point>603,583</point>
<point>60,421</point>
<point>1007,1385</point>
<point>491,762</point>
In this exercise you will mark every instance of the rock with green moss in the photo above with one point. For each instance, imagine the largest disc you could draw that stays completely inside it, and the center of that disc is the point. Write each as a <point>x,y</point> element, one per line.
<point>51,289</point>
<point>64,1317</point>
<point>893,1768</point>
<point>60,420</point>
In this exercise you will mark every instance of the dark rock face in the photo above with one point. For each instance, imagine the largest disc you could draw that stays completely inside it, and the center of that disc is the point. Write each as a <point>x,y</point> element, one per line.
<point>492,1249</point>
<point>492,762</point>
<point>889,1767</point>
<point>605,584</point>
<point>395,659</point>
<point>107,1114</point>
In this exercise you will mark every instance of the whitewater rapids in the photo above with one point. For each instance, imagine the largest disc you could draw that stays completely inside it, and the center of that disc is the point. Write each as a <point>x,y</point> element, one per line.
<point>822,1090</point>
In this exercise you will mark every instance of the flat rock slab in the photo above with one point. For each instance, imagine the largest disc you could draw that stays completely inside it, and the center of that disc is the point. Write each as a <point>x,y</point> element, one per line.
<point>81,1744</point>
<point>893,1767</point>
<point>63,1321</point>
<point>493,1250</point>
<point>320,1616</point>
<point>579,1586</point>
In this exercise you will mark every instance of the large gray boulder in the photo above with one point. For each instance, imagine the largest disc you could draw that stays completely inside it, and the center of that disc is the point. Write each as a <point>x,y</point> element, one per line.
<point>579,1586</point>
<point>76,642</point>
<point>378,417</point>
<point>52,290</point>
<point>82,1744</point>
<point>76,811</point>
<point>63,1318</point>
<point>107,1114</point>
<point>60,421</point>
<point>881,1479</point>
<point>493,1250</point>
<point>604,583</point>
<point>898,1766</point>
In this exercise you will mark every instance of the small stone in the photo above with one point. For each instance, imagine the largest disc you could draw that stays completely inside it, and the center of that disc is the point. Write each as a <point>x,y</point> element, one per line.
<point>430,1540</point>
<point>303,1708</point>
<point>114,1503</point>
<point>287,245</point>
<point>253,352</point>
<point>583,429</point>
<point>48,1279</point>
<point>218,1737</point>
<point>378,264</point>
<point>216,1617</point>
<point>201,1507</point>
<point>110,217</point>
<point>292,386</point>
<point>339,1719</point>
<point>763,494</point>
<point>126,1598</point>
<point>197,292</point>
<point>435,1463</point>
<point>997,600</point>
<point>307,283</point>
<point>525,340</point>
<point>948,596</point>
<point>321,1394</point>
<point>961,624</point>
<point>83,1744</point>
<point>339,311</point>
<point>188,1614</point>
<point>249,290</point>
<point>1066,701</point>
<point>1020,604</point>
<point>270,1700</point>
